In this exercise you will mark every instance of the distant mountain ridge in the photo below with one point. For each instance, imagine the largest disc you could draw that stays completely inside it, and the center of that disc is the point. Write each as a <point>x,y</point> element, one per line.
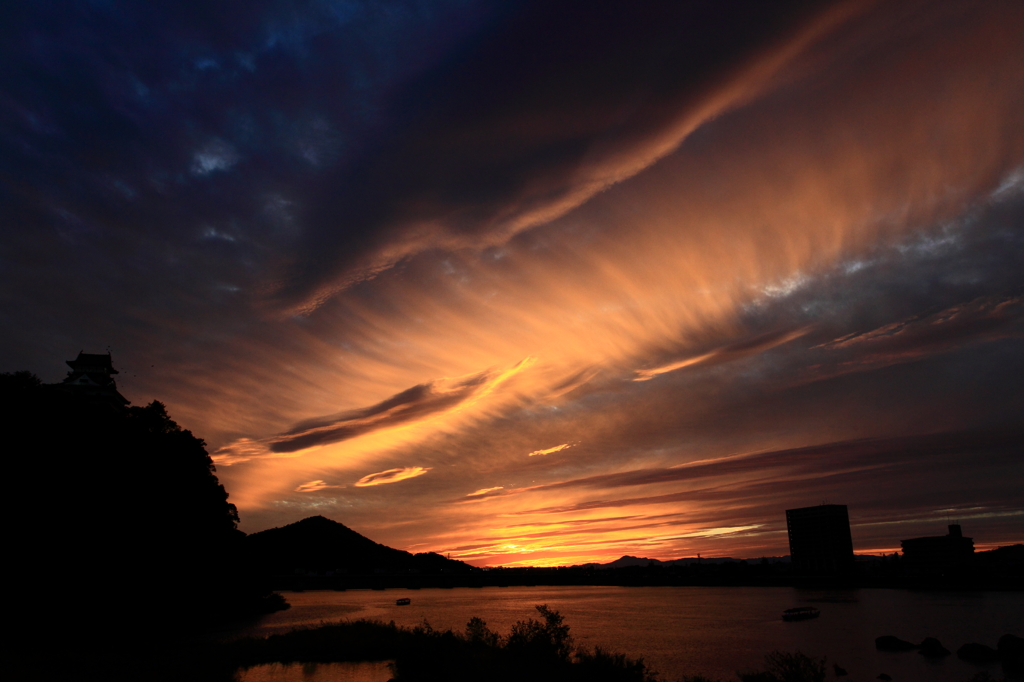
<point>627,561</point>
<point>321,544</point>
<point>1010,555</point>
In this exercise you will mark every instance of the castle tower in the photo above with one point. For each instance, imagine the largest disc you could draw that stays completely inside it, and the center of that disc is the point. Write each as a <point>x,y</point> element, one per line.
<point>92,375</point>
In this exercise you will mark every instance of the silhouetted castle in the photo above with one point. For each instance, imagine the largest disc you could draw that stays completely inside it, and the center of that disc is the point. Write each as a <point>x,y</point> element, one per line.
<point>91,375</point>
<point>941,554</point>
<point>819,538</point>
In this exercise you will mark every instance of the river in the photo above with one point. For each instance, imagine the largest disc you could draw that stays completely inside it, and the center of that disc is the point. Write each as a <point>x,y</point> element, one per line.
<point>711,631</point>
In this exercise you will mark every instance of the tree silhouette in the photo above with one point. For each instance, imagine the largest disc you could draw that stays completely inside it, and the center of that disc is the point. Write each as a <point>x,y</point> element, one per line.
<point>121,513</point>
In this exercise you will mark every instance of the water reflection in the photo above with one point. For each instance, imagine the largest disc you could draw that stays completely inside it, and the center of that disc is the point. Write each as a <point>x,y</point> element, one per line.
<point>712,631</point>
<point>372,671</point>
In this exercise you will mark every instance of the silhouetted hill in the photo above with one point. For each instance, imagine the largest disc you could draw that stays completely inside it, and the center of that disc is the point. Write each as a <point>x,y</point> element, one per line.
<point>1008,560</point>
<point>321,545</point>
<point>627,561</point>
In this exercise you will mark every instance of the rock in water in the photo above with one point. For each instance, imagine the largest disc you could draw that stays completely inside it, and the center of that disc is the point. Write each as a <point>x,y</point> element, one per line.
<point>1010,644</point>
<point>932,648</point>
<point>890,643</point>
<point>977,653</point>
<point>1011,650</point>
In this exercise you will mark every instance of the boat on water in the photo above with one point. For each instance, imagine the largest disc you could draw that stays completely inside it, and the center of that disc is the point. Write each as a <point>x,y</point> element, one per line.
<point>404,601</point>
<point>800,613</point>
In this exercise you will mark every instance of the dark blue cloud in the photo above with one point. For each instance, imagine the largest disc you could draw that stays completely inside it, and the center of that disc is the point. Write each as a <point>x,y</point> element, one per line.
<point>181,123</point>
<point>285,144</point>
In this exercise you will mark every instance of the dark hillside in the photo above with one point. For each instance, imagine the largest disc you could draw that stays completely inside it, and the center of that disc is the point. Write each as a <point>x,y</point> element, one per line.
<point>319,544</point>
<point>120,514</point>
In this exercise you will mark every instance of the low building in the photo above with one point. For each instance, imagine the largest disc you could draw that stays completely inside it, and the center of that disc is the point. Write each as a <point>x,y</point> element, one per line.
<point>938,555</point>
<point>819,539</point>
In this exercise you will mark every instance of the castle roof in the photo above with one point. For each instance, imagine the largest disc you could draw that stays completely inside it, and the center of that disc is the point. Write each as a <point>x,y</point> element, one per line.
<point>92,362</point>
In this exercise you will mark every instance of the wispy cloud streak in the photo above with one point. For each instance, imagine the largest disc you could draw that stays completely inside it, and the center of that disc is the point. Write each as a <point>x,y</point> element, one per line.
<point>391,476</point>
<point>548,451</point>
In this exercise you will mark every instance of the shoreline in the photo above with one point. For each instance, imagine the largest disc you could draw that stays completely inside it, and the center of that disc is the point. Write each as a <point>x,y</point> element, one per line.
<point>637,577</point>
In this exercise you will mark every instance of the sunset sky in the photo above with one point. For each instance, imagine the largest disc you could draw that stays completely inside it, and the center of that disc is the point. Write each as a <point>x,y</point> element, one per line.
<point>538,283</point>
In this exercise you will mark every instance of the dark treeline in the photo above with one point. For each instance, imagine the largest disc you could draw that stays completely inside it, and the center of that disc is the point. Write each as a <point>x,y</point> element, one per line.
<point>120,526</point>
<point>1001,569</point>
<point>319,553</point>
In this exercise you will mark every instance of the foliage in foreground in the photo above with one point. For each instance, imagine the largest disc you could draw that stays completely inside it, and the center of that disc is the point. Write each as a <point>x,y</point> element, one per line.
<point>536,649</point>
<point>781,666</point>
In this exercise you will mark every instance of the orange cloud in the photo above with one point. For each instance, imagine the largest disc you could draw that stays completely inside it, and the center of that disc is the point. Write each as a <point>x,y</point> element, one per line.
<point>313,486</point>
<point>484,491</point>
<point>419,404</point>
<point>390,476</point>
<point>243,450</point>
<point>557,448</point>
<point>733,351</point>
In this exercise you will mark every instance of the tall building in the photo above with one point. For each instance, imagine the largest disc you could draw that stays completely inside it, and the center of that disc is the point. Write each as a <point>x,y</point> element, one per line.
<point>819,538</point>
<point>940,554</point>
